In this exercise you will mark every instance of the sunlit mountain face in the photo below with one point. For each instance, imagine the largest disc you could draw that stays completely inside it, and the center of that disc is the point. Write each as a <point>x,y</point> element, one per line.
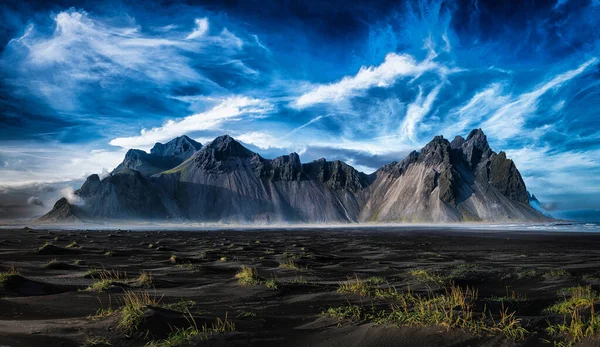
<point>362,82</point>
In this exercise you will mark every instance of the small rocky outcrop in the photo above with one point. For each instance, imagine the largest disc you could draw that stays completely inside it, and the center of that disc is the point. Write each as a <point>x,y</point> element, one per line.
<point>62,212</point>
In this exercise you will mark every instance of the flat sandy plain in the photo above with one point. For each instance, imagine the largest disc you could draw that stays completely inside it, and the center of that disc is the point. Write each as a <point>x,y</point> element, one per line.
<point>302,287</point>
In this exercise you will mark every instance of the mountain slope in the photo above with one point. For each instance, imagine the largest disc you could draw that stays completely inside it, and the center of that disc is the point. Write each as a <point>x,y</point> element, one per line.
<point>462,180</point>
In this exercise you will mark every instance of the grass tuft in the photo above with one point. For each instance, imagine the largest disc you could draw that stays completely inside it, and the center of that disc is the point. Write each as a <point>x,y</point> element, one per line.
<point>248,276</point>
<point>366,287</point>
<point>134,304</point>
<point>291,264</point>
<point>185,336</point>
<point>72,245</point>
<point>96,341</point>
<point>579,317</point>
<point>7,275</point>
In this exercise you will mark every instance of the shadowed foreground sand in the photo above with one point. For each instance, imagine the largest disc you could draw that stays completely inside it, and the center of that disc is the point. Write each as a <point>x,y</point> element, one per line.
<point>302,287</point>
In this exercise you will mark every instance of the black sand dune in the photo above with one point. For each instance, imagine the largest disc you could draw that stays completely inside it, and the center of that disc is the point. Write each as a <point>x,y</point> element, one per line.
<point>74,290</point>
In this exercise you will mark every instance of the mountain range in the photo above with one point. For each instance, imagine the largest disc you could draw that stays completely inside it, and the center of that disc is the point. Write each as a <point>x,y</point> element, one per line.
<point>223,181</point>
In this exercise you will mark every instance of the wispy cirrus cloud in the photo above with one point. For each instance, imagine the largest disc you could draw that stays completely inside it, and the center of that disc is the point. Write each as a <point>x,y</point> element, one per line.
<point>508,120</point>
<point>201,28</point>
<point>228,110</point>
<point>394,67</point>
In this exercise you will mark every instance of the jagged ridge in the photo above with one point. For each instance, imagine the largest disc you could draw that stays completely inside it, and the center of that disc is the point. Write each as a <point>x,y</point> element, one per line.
<point>462,180</point>
<point>161,157</point>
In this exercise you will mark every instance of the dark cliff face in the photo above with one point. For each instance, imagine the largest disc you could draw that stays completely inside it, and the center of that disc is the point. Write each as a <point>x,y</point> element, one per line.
<point>224,181</point>
<point>162,156</point>
<point>336,175</point>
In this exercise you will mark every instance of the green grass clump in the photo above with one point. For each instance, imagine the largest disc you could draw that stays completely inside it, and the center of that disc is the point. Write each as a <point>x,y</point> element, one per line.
<point>581,298</point>
<point>182,305</point>
<point>144,279</point>
<point>134,304</point>
<point>425,276</point>
<point>104,279</point>
<point>579,317</point>
<point>454,309</point>
<point>96,341</point>
<point>7,275</point>
<point>512,297</point>
<point>351,313</point>
<point>557,273</point>
<point>248,276</point>
<point>272,283</point>
<point>72,245</point>
<point>181,337</point>
<point>100,285</point>
<point>366,287</point>
<point>291,264</point>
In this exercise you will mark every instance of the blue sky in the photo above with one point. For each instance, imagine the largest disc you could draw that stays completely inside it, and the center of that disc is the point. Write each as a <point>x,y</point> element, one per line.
<point>364,82</point>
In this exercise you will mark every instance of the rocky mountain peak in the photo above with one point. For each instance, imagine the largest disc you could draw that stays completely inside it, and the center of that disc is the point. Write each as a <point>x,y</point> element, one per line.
<point>226,146</point>
<point>475,148</point>
<point>436,151</point>
<point>458,142</point>
<point>89,186</point>
<point>181,147</point>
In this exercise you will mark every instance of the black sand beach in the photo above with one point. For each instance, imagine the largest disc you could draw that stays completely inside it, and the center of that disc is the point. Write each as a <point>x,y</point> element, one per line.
<point>302,287</point>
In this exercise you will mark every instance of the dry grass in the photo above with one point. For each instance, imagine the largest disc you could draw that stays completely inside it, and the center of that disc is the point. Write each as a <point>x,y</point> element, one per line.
<point>579,317</point>
<point>144,279</point>
<point>291,264</point>
<point>134,304</point>
<point>454,309</point>
<point>248,276</point>
<point>7,275</point>
<point>96,341</point>
<point>366,287</point>
<point>185,336</point>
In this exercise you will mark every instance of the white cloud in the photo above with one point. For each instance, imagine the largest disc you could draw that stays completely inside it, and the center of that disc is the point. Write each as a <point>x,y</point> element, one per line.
<point>263,140</point>
<point>85,52</point>
<point>201,28</point>
<point>508,120</point>
<point>502,115</point>
<point>49,163</point>
<point>547,172</point>
<point>395,66</point>
<point>69,193</point>
<point>228,110</point>
<point>415,113</point>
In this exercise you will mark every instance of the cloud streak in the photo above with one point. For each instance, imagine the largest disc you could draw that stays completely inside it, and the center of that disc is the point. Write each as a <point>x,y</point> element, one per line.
<point>394,67</point>
<point>229,110</point>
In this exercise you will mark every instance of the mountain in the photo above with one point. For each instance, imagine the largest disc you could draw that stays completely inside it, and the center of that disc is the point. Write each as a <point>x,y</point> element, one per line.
<point>462,180</point>
<point>161,157</point>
